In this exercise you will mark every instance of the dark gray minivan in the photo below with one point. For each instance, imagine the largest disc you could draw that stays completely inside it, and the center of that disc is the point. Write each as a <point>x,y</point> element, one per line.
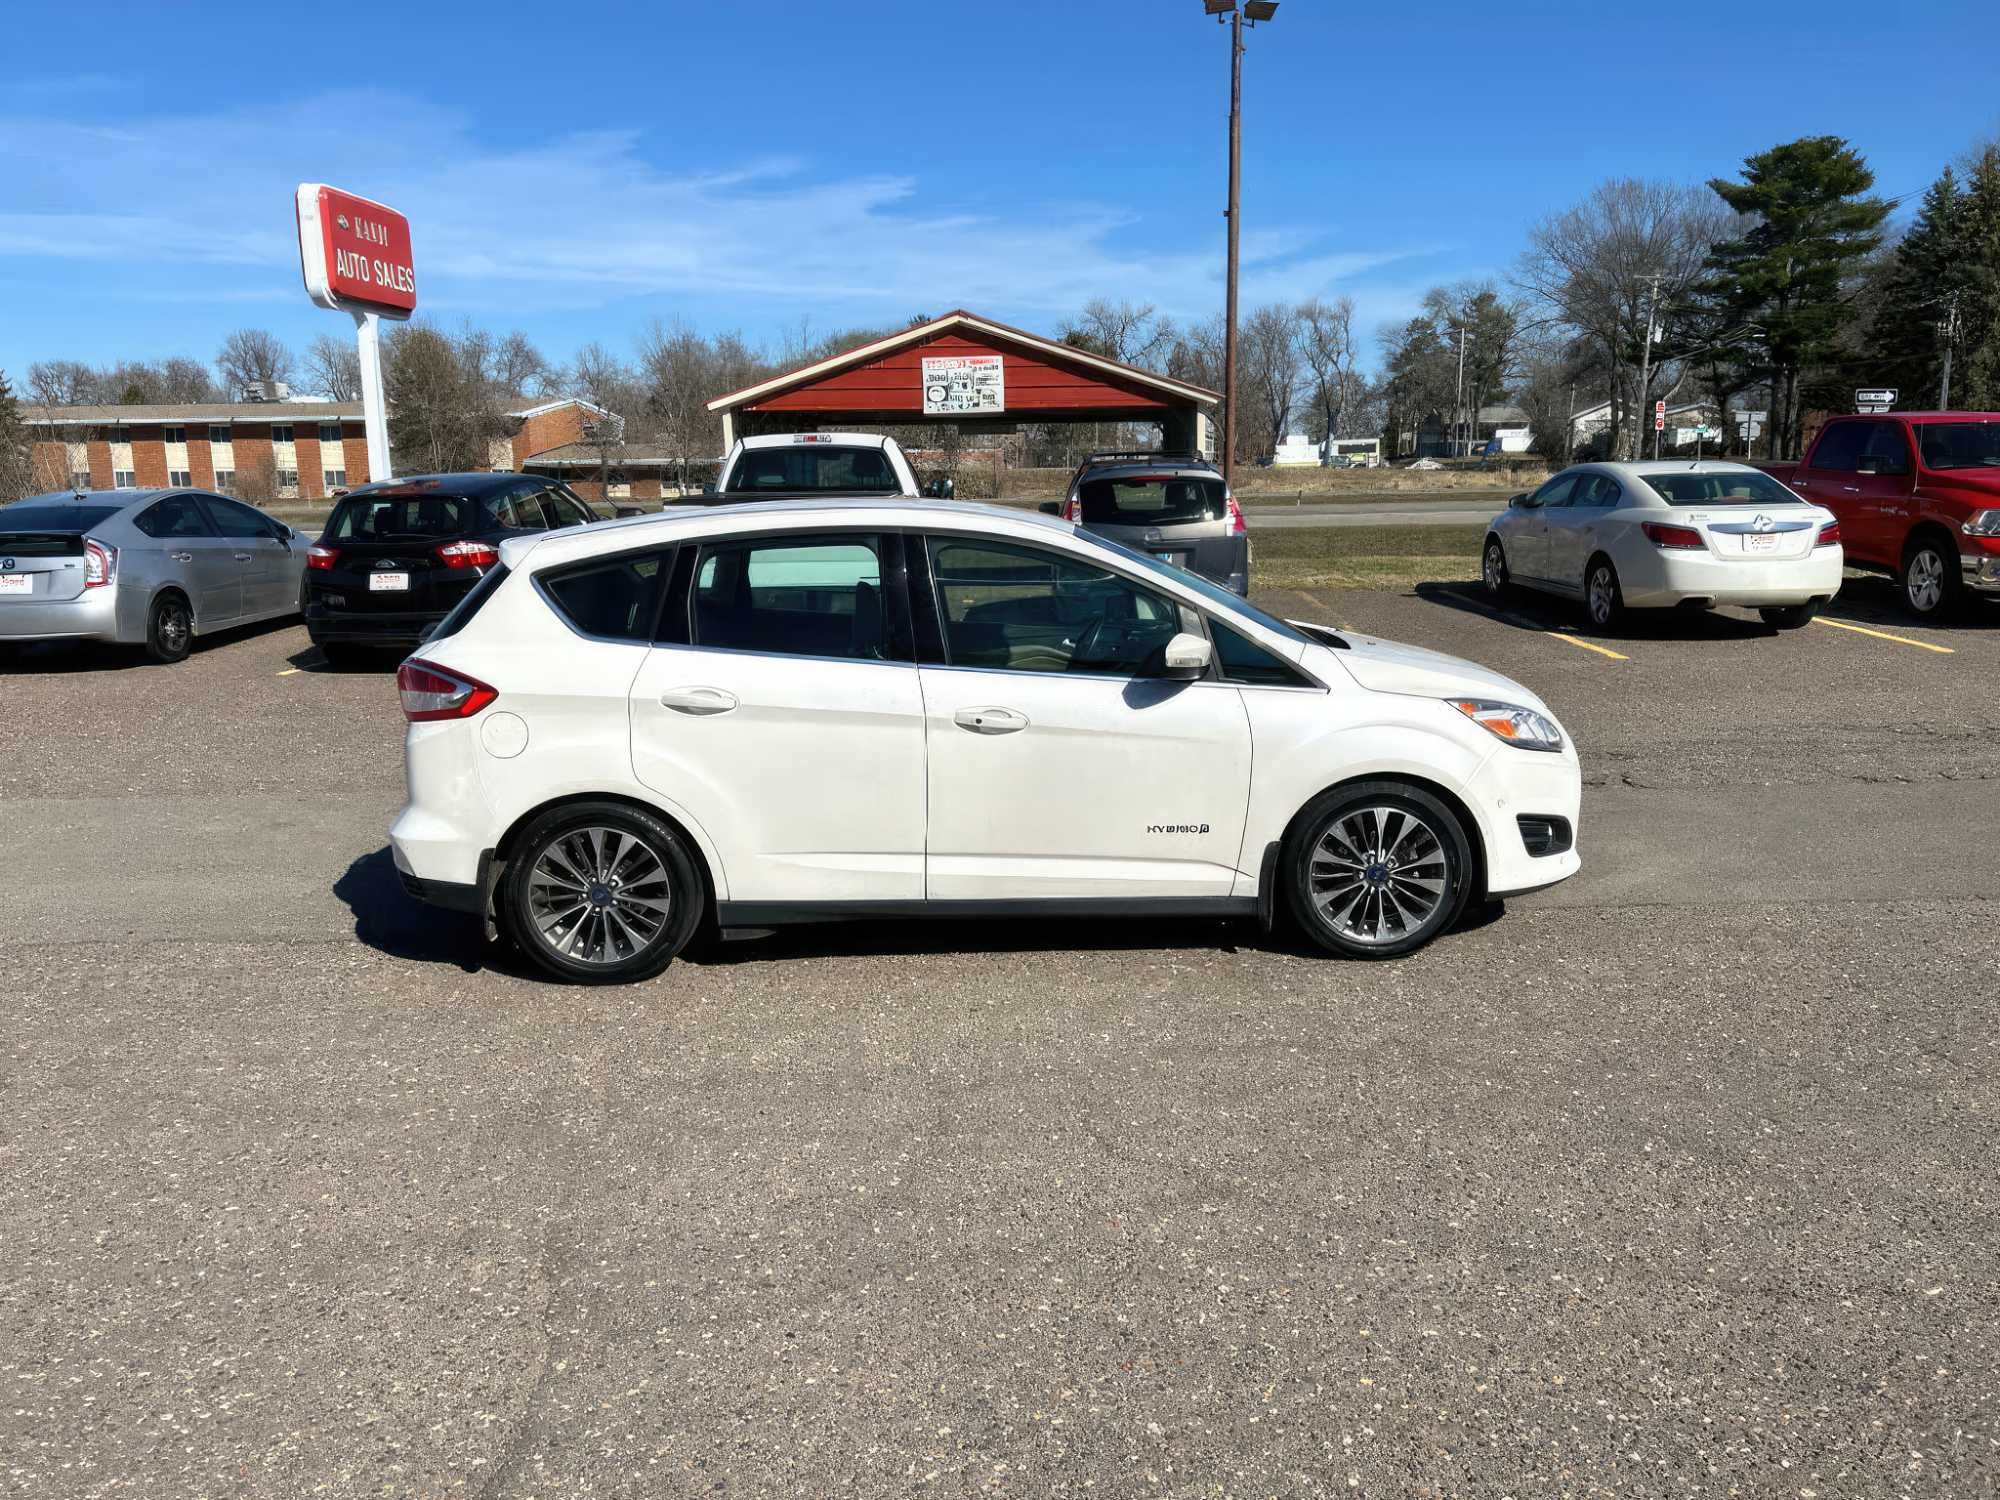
<point>1174,506</point>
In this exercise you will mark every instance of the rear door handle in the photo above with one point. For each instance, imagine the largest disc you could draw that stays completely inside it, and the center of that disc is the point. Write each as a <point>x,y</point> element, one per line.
<point>990,720</point>
<point>1852,489</point>
<point>698,701</point>
<point>243,557</point>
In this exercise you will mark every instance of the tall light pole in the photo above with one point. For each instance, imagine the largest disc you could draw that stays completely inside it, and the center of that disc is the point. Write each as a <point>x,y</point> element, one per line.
<point>1226,12</point>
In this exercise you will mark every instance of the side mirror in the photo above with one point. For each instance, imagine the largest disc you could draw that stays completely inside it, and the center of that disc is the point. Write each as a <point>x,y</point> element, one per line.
<point>1050,507</point>
<point>1523,502</point>
<point>1185,658</point>
<point>708,491</point>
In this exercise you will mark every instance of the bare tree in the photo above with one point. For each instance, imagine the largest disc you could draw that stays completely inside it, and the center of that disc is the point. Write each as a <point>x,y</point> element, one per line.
<point>184,380</point>
<point>679,370</point>
<point>1267,373</point>
<point>1130,332</point>
<point>17,453</point>
<point>333,368</point>
<point>442,412</point>
<point>517,366</point>
<point>1326,344</point>
<point>249,355</point>
<point>1612,267</point>
<point>62,382</point>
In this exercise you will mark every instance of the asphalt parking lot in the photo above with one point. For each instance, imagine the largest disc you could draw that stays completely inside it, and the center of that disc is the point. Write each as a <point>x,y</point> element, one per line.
<point>1675,1180</point>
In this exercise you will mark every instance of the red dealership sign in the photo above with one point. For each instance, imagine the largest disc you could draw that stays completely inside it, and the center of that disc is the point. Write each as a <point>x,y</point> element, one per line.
<point>355,252</point>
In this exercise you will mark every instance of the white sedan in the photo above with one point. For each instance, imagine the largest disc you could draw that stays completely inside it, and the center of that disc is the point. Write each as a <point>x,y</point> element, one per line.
<point>804,712</point>
<point>1668,534</point>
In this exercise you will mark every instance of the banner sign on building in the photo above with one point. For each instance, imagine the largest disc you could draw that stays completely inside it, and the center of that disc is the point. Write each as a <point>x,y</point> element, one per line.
<point>964,383</point>
<point>355,253</point>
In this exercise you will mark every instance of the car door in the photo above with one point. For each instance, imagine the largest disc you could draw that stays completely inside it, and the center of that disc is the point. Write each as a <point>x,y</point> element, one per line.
<point>1883,482</point>
<point>1576,526</point>
<point>1830,477</point>
<point>1527,535</point>
<point>264,561</point>
<point>194,552</point>
<point>780,707</point>
<point>1057,767</point>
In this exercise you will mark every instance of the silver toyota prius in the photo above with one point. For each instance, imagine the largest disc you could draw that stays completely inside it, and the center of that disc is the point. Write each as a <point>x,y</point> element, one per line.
<point>151,568</point>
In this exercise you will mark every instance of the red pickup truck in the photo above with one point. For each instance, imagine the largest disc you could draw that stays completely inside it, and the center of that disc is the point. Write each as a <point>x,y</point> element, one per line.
<point>1917,495</point>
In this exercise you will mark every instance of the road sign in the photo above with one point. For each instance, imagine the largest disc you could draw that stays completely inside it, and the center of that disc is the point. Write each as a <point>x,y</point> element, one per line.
<point>1659,421</point>
<point>1881,398</point>
<point>355,256</point>
<point>1660,407</point>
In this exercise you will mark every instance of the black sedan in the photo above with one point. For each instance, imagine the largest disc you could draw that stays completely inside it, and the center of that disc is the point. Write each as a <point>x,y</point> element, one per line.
<point>397,555</point>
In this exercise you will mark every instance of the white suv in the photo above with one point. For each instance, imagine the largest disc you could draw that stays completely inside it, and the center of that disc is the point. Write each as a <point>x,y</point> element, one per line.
<point>802,712</point>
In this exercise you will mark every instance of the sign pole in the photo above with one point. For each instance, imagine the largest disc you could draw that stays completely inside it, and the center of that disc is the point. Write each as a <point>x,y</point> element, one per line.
<point>374,413</point>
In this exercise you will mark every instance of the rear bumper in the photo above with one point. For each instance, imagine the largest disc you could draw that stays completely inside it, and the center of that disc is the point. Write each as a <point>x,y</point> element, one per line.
<point>91,616</point>
<point>1672,580</point>
<point>371,628</point>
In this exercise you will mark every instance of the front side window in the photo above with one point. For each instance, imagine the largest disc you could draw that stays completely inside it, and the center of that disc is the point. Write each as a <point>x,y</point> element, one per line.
<point>1020,609</point>
<point>611,597</point>
<point>233,518</point>
<point>796,596</point>
<point>519,511</point>
<point>1557,491</point>
<point>1150,500</point>
<point>1886,446</point>
<point>1244,661</point>
<point>1839,446</point>
<point>559,510</point>
<point>812,468</point>
<point>178,515</point>
<point>1960,445</point>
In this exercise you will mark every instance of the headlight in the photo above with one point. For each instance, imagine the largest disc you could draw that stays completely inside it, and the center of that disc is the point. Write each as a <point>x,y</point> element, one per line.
<point>1514,724</point>
<point>1985,523</point>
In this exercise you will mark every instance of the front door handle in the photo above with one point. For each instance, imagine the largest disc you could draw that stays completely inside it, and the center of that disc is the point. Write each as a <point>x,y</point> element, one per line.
<point>182,557</point>
<point>990,720</point>
<point>243,557</point>
<point>698,701</point>
<point>1852,489</point>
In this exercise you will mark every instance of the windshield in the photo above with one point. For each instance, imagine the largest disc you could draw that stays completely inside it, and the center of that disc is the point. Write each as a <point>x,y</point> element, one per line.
<point>1720,487</point>
<point>1960,445</point>
<point>1150,500</point>
<point>382,518</point>
<point>72,520</point>
<point>1214,593</point>
<point>812,467</point>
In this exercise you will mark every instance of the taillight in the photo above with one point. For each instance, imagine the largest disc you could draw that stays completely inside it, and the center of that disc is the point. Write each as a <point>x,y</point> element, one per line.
<point>1829,535</point>
<point>1072,510</point>
<point>468,555</point>
<point>1237,527</point>
<point>100,564</point>
<point>322,558</point>
<point>1671,536</point>
<point>430,692</point>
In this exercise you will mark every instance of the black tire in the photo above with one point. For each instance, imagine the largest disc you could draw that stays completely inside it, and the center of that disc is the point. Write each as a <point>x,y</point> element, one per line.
<point>1603,600</point>
<point>1324,846</point>
<point>604,937</point>
<point>1933,586</point>
<point>1493,569</point>
<point>169,628</point>
<point>342,654</point>
<point>1789,616</point>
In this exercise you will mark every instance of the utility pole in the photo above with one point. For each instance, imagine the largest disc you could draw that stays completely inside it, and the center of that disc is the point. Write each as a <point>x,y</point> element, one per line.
<point>1458,397</point>
<point>1646,374</point>
<point>1233,214</point>
<point>1949,329</point>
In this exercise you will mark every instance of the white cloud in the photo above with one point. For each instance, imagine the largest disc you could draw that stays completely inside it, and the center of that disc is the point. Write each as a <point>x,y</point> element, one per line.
<point>578,221</point>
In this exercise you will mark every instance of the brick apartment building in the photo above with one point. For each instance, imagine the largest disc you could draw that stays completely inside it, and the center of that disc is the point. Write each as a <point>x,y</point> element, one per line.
<point>309,449</point>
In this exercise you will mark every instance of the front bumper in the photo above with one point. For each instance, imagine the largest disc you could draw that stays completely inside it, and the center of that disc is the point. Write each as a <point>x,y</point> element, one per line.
<point>91,616</point>
<point>1539,786</point>
<point>1981,572</point>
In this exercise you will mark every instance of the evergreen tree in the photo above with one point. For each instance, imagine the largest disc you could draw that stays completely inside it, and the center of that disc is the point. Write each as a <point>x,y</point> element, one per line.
<point>17,466</point>
<point>1925,281</point>
<point>1978,345</point>
<point>1786,280</point>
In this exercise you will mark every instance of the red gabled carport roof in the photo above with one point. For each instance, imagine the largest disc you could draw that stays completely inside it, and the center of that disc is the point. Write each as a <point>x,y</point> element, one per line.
<point>1052,349</point>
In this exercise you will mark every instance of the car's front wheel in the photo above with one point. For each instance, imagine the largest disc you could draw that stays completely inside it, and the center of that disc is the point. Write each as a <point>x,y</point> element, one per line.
<point>1931,578</point>
<point>1377,869</point>
<point>600,892</point>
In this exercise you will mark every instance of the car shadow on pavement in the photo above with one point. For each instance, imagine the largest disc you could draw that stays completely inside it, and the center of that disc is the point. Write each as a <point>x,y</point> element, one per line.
<point>310,658</point>
<point>51,658</point>
<point>1876,601</point>
<point>1522,610</point>
<point>390,920</point>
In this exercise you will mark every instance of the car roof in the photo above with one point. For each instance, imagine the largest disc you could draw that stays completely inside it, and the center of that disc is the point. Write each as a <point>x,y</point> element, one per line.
<point>467,486</point>
<point>677,522</point>
<point>119,498</point>
<point>787,439</point>
<point>1163,463</point>
<point>1640,468</point>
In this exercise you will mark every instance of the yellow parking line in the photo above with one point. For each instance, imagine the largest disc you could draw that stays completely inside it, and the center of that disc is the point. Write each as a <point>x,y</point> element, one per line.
<point>1523,623</point>
<point>1883,635</point>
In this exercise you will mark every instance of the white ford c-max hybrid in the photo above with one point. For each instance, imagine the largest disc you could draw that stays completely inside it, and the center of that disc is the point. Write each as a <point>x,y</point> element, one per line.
<point>762,714</point>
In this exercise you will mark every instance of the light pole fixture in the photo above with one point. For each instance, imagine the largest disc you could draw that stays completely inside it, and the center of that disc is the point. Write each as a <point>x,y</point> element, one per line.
<point>1251,13</point>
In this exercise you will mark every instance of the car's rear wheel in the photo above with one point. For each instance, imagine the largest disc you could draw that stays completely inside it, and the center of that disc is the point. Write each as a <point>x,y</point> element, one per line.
<point>1377,869</point>
<point>1931,578</point>
<point>1789,616</point>
<point>1493,568</point>
<point>601,893</point>
<point>1603,601</point>
<point>169,629</point>
<point>342,653</point>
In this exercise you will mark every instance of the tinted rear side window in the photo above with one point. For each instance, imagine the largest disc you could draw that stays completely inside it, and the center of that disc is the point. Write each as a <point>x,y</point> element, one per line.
<point>470,605</point>
<point>612,597</point>
<point>383,518</point>
<point>813,467</point>
<point>1150,500</point>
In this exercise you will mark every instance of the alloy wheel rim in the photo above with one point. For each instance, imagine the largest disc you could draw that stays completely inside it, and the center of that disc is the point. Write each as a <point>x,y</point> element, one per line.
<point>1378,874</point>
<point>173,627</point>
<point>1600,596</point>
<point>599,895</point>
<point>1493,569</point>
<point>1926,580</point>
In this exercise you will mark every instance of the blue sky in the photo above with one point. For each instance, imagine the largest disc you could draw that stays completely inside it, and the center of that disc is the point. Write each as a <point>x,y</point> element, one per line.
<point>754,166</point>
